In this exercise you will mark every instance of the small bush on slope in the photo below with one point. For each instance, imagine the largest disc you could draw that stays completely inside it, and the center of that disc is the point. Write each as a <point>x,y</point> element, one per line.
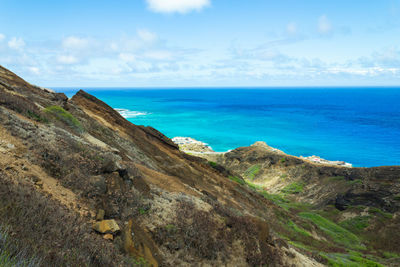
<point>61,114</point>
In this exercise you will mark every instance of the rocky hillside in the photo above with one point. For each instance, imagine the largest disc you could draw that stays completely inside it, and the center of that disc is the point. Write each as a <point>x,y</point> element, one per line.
<point>364,202</point>
<point>82,186</point>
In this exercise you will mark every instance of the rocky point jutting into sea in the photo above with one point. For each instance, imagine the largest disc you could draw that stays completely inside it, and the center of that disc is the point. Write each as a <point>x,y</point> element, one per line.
<point>82,186</point>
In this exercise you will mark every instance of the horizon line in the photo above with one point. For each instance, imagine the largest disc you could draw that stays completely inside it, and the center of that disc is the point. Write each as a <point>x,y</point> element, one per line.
<point>228,87</point>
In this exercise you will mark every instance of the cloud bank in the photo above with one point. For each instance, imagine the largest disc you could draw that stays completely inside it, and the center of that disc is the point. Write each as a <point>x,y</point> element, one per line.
<point>177,6</point>
<point>146,59</point>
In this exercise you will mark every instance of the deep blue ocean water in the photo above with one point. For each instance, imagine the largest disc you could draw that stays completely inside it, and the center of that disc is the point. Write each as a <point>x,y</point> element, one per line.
<point>356,125</point>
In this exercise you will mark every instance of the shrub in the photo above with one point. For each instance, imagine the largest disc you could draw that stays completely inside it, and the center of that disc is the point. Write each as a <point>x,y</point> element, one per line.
<point>62,115</point>
<point>212,164</point>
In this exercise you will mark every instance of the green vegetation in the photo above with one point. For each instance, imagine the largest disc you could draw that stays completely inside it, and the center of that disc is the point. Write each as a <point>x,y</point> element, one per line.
<point>170,227</point>
<point>284,176</point>
<point>11,255</point>
<point>293,188</point>
<point>142,262</point>
<point>283,160</point>
<point>377,211</point>
<point>337,178</point>
<point>212,164</point>
<point>237,180</point>
<point>62,115</point>
<point>279,199</point>
<point>356,224</point>
<point>348,260</point>
<point>298,229</point>
<point>36,117</point>
<point>356,181</point>
<point>390,255</point>
<point>337,233</point>
<point>143,211</point>
<point>251,172</point>
<point>397,197</point>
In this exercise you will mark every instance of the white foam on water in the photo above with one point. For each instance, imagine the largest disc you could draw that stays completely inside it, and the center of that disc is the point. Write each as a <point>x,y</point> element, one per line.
<point>126,113</point>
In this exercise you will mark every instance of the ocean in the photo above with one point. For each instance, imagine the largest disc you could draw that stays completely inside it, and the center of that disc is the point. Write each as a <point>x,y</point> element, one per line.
<point>357,125</point>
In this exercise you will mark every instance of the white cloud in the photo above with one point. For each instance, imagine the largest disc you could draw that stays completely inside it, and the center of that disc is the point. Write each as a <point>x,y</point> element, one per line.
<point>16,43</point>
<point>2,37</point>
<point>324,25</point>
<point>63,59</point>
<point>34,70</point>
<point>75,43</point>
<point>179,6</point>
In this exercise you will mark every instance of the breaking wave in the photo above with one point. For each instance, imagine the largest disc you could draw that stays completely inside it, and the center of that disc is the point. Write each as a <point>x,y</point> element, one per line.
<point>126,113</point>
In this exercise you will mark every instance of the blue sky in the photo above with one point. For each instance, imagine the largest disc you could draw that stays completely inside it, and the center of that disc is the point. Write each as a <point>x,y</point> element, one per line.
<point>182,43</point>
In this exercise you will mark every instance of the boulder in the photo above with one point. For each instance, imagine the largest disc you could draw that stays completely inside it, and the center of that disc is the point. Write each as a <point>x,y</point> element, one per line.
<point>106,227</point>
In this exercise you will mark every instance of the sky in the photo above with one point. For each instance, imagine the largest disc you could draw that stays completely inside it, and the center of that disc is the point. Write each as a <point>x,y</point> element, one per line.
<point>201,43</point>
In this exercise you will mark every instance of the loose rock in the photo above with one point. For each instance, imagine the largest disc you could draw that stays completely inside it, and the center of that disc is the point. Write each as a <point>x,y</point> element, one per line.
<point>106,227</point>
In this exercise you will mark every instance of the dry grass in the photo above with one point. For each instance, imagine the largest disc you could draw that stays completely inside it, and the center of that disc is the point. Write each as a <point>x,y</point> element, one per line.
<point>51,231</point>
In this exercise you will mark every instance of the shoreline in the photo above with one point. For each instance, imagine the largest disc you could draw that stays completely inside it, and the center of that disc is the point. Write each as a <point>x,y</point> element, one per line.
<point>195,147</point>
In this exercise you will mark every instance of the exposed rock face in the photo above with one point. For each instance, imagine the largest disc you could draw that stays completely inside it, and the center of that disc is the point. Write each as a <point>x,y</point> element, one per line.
<point>188,144</point>
<point>106,227</point>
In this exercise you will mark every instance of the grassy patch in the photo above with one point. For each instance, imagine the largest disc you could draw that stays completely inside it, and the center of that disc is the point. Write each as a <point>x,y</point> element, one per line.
<point>293,188</point>
<point>301,245</point>
<point>62,115</point>
<point>279,199</point>
<point>298,230</point>
<point>338,234</point>
<point>237,180</point>
<point>282,160</point>
<point>356,224</point>
<point>390,255</point>
<point>348,260</point>
<point>212,164</point>
<point>251,172</point>
<point>337,178</point>
<point>377,211</point>
<point>356,181</point>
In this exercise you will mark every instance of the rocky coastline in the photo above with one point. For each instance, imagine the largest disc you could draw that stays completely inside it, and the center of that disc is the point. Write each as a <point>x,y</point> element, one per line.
<point>193,146</point>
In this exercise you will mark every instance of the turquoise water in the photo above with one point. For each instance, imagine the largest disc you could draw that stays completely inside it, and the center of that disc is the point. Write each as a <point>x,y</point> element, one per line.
<point>357,125</point>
